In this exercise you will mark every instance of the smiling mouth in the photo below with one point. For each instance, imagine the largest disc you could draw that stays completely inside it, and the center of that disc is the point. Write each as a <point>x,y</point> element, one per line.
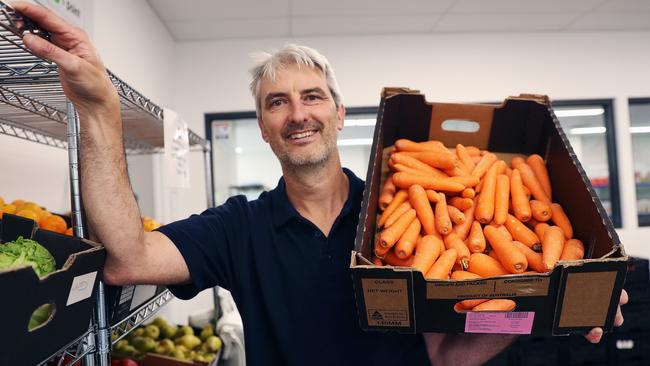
<point>301,135</point>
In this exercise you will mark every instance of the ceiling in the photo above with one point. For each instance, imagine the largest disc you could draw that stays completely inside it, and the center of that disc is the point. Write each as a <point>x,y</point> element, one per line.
<point>222,19</point>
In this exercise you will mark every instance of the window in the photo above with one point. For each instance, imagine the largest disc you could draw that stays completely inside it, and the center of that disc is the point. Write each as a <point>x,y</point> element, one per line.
<point>640,130</point>
<point>589,127</point>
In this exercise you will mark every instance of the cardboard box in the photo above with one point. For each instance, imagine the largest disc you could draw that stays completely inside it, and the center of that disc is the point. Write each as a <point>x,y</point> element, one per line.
<point>121,301</point>
<point>71,289</point>
<point>572,298</point>
<point>152,359</point>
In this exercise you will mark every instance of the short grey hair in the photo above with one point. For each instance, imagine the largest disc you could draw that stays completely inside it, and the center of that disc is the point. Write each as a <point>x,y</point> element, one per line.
<point>267,65</point>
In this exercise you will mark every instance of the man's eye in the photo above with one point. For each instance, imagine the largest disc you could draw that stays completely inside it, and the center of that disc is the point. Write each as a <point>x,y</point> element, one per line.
<point>276,103</point>
<point>313,97</point>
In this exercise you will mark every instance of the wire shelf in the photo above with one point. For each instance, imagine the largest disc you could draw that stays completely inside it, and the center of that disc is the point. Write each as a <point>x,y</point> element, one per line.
<point>72,352</point>
<point>139,316</point>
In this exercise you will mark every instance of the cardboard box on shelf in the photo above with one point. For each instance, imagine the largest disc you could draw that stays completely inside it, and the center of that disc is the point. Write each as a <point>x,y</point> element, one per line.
<point>574,297</point>
<point>70,290</point>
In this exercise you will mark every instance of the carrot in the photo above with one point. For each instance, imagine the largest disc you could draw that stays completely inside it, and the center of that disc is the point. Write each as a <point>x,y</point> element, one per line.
<point>392,259</point>
<point>420,202</point>
<point>427,250</point>
<point>560,219</point>
<point>521,232</point>
<point>530,181</point>
<point>473,151</point>
<point>387,193</point>
<point>476,239</point>
<point>441,267</point>
<point>432,195</point>
<point>463,229</point>
<point>406,169</point>
<point>501,199</point>
<point>471,303</point>
<point>509,172</point>
<point>456,171</point>
<point>531,223</point>
<point>380,252</point>
<point>456,215</point>
<point>391,235</point>
<point>476,159</point>
<point>468,193</point>
<point>405,180</point>
<point>397,213</point>
<point>534,259</point>
<point>541,211</point>
<point>464,275</point>
<point>408,145</point>
<point>504,231</point>
<point>484,164</point>
<point>540,229</point>
<point>501,167</point>
<point>468,181</point>
<point>436,159</point>
<point>406,243</point>
<point>461,203</point>
<point>512,259</point>
<point>494,255</point>
<point>411,162</point>
<point>443,222</point>
<point>496,305</point>
<point>485,266</point>
<point>485,206</point>
<point>400,197</point>
<point>376,261</point>
<point>520,203</point>
<point>464,157</point>
<point>452,240</point>
<point>552,246</point>
<point>573,250</point>
<point>538,166</point>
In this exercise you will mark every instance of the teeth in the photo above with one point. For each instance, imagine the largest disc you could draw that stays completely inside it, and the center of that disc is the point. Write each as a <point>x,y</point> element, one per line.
<point>301,135</point>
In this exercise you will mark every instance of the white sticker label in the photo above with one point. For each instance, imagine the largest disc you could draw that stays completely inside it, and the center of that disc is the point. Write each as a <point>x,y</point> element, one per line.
<point>82,288</point>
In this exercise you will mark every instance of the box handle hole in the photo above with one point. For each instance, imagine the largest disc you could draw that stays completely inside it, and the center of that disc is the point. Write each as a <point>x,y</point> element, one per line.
<point>460,125</point>
<point>41,316</point>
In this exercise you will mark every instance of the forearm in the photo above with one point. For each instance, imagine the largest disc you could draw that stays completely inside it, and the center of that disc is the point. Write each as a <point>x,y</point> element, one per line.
<point>465,349</point>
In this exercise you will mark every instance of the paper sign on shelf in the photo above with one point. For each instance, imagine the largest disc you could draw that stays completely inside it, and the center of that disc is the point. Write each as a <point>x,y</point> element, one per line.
<point>77,12</point>
<point>177,148</point>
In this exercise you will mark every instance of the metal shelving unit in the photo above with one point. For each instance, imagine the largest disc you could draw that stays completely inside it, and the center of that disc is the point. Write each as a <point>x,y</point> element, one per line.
<point>33,107</point>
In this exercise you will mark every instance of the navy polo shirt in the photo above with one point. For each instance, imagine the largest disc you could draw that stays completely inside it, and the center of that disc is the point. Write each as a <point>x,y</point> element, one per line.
<point>291,282</point>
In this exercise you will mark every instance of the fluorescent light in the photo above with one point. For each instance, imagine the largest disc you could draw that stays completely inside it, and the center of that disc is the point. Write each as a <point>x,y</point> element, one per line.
<point>640,129</point>
<point>354,142</point>
<point>359,122</point>
<point>239,150</point>
<point>587,130</point>
<point>579,112</point>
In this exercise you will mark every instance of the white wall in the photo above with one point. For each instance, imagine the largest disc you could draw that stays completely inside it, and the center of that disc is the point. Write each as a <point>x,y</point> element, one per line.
<point>213,77</point>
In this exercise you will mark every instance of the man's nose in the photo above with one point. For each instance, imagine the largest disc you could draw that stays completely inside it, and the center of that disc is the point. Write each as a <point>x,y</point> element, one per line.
<point>298,113</point>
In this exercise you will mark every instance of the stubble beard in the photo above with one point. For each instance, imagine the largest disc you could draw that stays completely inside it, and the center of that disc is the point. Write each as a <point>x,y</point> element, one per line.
<point>316,157</point>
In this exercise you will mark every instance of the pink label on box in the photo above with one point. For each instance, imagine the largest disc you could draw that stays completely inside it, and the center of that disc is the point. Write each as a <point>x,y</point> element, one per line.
<point>515,322</point>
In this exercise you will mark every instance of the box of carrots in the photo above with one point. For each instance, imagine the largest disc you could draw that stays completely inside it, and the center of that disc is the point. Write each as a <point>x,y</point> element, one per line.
<point>480,219</point>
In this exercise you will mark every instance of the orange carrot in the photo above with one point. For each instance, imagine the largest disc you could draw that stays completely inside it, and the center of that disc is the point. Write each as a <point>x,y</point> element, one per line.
<point>471,303</point>
<point>468,193</point>
<point>463,229</point>
<point>484,164</point>
<point>406,169</point>
<point>476,159</point>
<point>441,267</point>
<point>464,275</point>
<point>501,167</point>
<point>485,266</point>
<point>442,220</point>
<point>408,145</point>
<point>504,231</point>
<point>530,181</point>
<point>461,203</point>
<point>391,235</point>
<point>521,232</point>
<point>494,255</point>
<point>560,219</point>
<point>496,305</point>
<point>540,229</point>
<point>420,202</point>
<point>541,211</point>
<point>392,259</point>
<point>476,239</point>
<point>573,250</point>
<point>501,199</point>
<point>531,223</point>
<point>456,215</point>
<point>427,250</point>
<point>399,211</point>
<point>509,172</point>
<point>376,261</point>
<point>538,166</point>
<point>452,240</point>
<point>380,252</point>
<point>406,243</point>
<point>464,157</point>
<point>405,180</point>
<point>387,193</point>
<point>473,151</point>
<point>552,246</point>
<point>400,197</point>
<point>456,171</point>
<point>485,206</point>
<point>520,203</point>
<point>534,259</point>
<point>436,159</point>
<point>432,195</point>
<point>466,180</point>
<point>411,162</point>
<point>512,259</point>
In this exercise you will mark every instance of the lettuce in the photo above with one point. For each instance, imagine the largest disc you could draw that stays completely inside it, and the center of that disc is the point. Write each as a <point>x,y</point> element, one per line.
<point>22,252</point>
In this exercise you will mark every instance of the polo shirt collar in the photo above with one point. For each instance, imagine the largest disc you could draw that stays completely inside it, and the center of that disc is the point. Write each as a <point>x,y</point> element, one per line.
<point>283,210</point>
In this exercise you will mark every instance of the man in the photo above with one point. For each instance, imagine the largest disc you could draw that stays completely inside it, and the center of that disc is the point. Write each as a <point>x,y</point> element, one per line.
<point>285,255</point>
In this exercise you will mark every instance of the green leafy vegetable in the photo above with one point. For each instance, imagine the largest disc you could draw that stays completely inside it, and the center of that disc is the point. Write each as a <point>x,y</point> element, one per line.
<point>22,252</point>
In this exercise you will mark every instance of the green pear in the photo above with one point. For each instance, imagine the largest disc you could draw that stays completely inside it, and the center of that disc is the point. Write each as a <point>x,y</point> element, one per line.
<point>189,341</point>
<point>152,331</point>
<point>206,332</point>
<point>214,343</point>
<point>168,331</point>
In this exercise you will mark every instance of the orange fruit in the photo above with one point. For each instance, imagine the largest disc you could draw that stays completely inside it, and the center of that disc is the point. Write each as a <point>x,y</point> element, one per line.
<point>69,232</point>
<point>53,223</point>
<point>29,214</point>
<point>18,203</point>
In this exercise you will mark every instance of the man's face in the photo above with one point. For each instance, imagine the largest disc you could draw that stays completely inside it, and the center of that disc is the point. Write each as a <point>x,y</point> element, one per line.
<point>298,116</point>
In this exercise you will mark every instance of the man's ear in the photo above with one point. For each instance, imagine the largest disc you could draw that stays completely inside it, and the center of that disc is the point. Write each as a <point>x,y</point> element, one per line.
<point>341,117</point>
<point>260,123</point>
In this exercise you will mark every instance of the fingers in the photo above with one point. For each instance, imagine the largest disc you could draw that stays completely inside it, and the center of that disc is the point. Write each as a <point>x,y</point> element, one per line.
<point>624,298</point>
<point>594,335</point>
<point>49,51</point>
<point>45,18</point>
<point>618,319</point>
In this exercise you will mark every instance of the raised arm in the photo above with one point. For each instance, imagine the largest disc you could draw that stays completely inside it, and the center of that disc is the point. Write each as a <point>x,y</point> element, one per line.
<point>133,255</point>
